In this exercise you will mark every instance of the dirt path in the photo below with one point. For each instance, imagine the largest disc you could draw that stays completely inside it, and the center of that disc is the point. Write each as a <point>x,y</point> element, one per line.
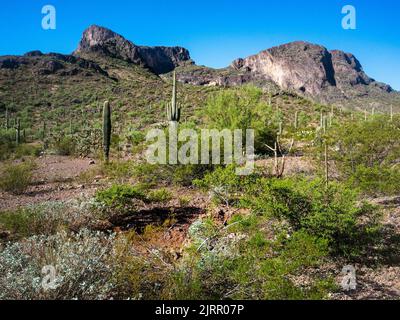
<point>55,180</point>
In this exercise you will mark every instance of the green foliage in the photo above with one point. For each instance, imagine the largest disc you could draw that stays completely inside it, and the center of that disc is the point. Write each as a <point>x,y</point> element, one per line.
<point>16,178</point>
<point>332,214</point>
<point>119,196</point>
<point>27,150</point>
<point>161,195</point>
<point>157,174</point>
<point>247,265</point>
<point>118,171</point>
<point>65,146</point>
<point>225,184</point>
<point>34,220</point>
<point>376,180</point>
<point>242,108</point>
<point>367,153</point>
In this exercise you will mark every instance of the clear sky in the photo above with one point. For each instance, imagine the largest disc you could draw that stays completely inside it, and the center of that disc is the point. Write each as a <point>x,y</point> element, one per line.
<point>216,32</point>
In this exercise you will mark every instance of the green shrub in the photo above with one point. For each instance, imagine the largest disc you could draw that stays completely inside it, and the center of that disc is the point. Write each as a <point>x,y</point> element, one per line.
<point>16,178</point>
<point>66,146</point>
<point>157,174</point>
<point>367,153</point>
<point>332,214</point>
<point>376,180</point>
<point>248,265</point>
<point>43,219</point>
<point>120,196</point>
<point>27,150</point>
<point>225,185</point>
<point>242,108</point>
<point>119,171</point>
<point>83,262</point>
<point>161,195</point>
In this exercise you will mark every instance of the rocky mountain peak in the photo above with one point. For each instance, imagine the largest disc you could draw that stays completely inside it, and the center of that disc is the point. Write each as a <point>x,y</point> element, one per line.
<point>99,40</point>
<point>96,36</point>
<point>311,69</point>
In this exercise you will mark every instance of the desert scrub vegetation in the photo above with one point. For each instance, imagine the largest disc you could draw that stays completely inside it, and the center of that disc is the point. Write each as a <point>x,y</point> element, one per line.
<point>331,213</point>
<point>82,262</point>
<point>242,262</point>
<point>160,196</point>
<point>48,218</point>
<point>16,178</point>
<point>65,146</point>
<point>242,108</point>
<point>367,154</point>
<point>119,199</point>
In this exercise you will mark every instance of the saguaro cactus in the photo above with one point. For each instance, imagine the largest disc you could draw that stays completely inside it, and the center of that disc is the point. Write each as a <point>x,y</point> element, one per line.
<point>106,130</point>
<point>174,108</point>
<point>391,113</point>
<point>43,130</point>
<point>280,128</point>
<point>18,132</point>
<point>7,120</point>
<point>296,120</point>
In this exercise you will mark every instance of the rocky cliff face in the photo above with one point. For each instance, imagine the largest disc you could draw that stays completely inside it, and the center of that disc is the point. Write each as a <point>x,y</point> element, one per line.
<point>99,40</point>
<point>311,69</point>
<point>302,66</point>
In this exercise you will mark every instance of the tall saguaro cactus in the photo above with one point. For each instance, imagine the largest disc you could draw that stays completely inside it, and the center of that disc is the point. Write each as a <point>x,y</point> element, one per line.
<point>7,120</point>
<point>174,108</point>
<point>106,130</point>
<point>296,120</point>
<point>18,132</point>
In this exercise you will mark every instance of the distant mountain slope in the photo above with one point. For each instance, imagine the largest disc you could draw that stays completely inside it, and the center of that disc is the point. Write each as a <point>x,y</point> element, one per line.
<point>329,77</point>
<point>106,65</point>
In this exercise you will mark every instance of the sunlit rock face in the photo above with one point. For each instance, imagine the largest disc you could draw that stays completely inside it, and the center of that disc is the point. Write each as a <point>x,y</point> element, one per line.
<point>99,40</point>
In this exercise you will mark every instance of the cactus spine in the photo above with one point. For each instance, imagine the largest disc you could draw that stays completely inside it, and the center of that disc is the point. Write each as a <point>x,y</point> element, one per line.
<point>106,130</point>
<point>174,108</point>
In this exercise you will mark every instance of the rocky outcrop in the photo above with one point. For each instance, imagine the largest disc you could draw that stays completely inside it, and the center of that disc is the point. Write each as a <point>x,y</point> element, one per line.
<point>310,69</point>
<point>299,65</point>
<point>99,40</point>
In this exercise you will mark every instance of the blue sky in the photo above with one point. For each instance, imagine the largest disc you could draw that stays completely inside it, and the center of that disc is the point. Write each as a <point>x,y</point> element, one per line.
<point>216,32</point>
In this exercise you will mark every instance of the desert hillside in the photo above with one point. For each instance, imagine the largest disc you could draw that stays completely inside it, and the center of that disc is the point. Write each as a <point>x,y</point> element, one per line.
<point>317,218</point>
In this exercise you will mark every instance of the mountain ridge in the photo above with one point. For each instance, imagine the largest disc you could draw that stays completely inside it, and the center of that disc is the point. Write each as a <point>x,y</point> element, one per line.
<point>307,69</point>
<point>103,41</point>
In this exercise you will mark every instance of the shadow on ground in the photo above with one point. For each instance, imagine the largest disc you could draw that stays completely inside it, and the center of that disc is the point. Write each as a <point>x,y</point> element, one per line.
<point>156,216</point>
